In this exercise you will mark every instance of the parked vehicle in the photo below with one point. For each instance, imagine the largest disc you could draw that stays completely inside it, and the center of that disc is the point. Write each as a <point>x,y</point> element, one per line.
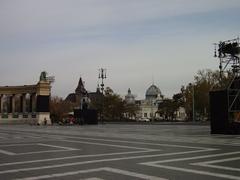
<point>143,120</point>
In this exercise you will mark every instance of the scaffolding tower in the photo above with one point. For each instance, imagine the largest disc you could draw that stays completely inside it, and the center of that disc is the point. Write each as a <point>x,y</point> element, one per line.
<point>228,54</point>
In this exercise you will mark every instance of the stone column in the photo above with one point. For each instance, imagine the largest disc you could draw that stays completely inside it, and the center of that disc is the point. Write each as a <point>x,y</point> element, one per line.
<point>23,102</point>
<point>13,103</point>
<point>10,104</point>
<point>30,103</point>
<point>33,102</point>
<point>1,103</point>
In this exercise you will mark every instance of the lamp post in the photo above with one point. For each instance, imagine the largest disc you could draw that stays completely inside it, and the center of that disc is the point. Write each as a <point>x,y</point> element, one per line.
<point>193,102</point>
<point>102,76</point>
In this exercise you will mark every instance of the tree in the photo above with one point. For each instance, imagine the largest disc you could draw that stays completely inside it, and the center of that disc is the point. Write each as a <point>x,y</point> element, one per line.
<point>113,105</point>
<point>59,108</point>
<point>167,109</point>
<point>130,110</point>
<point>204,81</point>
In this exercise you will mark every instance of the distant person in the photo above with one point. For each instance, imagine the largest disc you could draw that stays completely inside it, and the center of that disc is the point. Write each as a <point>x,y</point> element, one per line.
<point>45,121</point>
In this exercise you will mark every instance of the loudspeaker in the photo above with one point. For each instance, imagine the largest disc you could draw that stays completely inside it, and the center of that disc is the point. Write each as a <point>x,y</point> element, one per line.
<point>219,112</point>
<point>42,104</point>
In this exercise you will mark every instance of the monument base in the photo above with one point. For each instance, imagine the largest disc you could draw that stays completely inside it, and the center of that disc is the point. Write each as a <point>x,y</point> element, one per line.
<point>43,118</point>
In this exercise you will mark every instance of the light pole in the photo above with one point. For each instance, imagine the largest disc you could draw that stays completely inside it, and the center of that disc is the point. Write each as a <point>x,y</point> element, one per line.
<point>193,103</point>
<point>102,76</point>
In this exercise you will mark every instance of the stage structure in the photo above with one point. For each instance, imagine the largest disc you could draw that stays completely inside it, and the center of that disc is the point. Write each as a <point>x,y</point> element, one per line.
<point>27,103</point>
<point>225,103</point>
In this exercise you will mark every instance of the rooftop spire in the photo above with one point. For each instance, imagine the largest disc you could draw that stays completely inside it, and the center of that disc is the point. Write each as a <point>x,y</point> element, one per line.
<point>80,88</point>
<point>129,91</point>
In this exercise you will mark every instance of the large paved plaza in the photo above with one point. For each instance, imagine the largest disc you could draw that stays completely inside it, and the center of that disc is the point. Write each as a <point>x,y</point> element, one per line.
<point>117,152</point>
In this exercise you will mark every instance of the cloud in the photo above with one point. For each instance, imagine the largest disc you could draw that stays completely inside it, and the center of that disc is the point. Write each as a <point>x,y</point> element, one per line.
<point>133,39</point>
<point>33,17</point>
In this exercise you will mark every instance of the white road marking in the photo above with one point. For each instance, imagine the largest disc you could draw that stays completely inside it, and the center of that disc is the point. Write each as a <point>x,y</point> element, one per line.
<point>92,179</point>
<point>60,149</point>
<point>210,164</point>
<point>7,152</point>
<point>137,142</point>
<point>193,158</point>
<point>108,169</point>
<point>220,160</point>
<point>133,174</point>
<point>110,145</point>
<point>70,157</point>
<point>219,167</point>
<point>9,145</point>
<point>47,151</point>
<point>61,174</point>
<point>95,161</point>
<point>110,154</point>
<point>137,135</point>
<point>195,171</point>
<point>54,146</point>
<point>157,164</point>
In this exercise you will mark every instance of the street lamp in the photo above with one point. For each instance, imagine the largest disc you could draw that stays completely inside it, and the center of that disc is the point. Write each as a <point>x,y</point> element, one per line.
<point>193,103</point>
<point>102,76</point>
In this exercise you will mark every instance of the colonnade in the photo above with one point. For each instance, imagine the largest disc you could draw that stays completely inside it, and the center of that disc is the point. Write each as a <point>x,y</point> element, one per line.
<point>25,104</point>
<point>17,104</point>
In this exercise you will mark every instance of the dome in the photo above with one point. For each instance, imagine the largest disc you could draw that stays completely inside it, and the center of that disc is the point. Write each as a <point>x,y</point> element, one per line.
<point>129,98</point>
<point>153,92</point>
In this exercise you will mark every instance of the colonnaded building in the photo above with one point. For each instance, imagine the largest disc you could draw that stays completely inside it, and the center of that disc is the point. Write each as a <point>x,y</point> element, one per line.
<point>148,107</point>
<point>26,104</point>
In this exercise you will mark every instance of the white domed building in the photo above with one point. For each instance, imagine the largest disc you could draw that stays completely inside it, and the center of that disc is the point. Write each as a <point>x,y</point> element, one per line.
<point>153,93</point>
<point>148,108</point>
<point>130,98</point>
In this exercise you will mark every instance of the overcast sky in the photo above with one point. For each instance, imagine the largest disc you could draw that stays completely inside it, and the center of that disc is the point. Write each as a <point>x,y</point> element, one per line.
<point>137,41</point>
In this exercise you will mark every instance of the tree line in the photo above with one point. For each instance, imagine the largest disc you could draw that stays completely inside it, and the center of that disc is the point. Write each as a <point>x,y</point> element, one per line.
<point>113,107</point>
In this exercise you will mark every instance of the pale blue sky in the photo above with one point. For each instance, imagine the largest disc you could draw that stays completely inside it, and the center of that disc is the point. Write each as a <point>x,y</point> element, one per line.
<point>136,40</point>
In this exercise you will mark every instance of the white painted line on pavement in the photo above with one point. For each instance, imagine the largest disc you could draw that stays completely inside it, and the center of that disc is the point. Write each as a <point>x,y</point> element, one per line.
<point>133,174</point>
<point>192,158</point>
<point>110,145</point>
<point>60,149</point>
<point>94,178</point>
<point>69,157</point>
<point>95,161</point>
<point>54,146</point>
<point>210,164</point>
<point>47,151</point>
<point>157,164</point>
<point>219,167</point>
<point>61,174</point>
<point>7,152</point>
<point>108,169</point>
<point>219,175</point>
<point>9,145</point>
<point>219,160</point>
<point>137,142</point>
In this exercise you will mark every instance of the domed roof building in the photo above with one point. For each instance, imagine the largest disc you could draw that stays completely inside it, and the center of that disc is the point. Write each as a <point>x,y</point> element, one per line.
<point>148,107</point>
<point>130,98</point>
<point>153,92</point>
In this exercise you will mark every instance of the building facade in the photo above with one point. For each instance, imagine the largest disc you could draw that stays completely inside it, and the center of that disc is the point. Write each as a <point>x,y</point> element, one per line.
<point>26,104</point>
<point>148,107</point>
